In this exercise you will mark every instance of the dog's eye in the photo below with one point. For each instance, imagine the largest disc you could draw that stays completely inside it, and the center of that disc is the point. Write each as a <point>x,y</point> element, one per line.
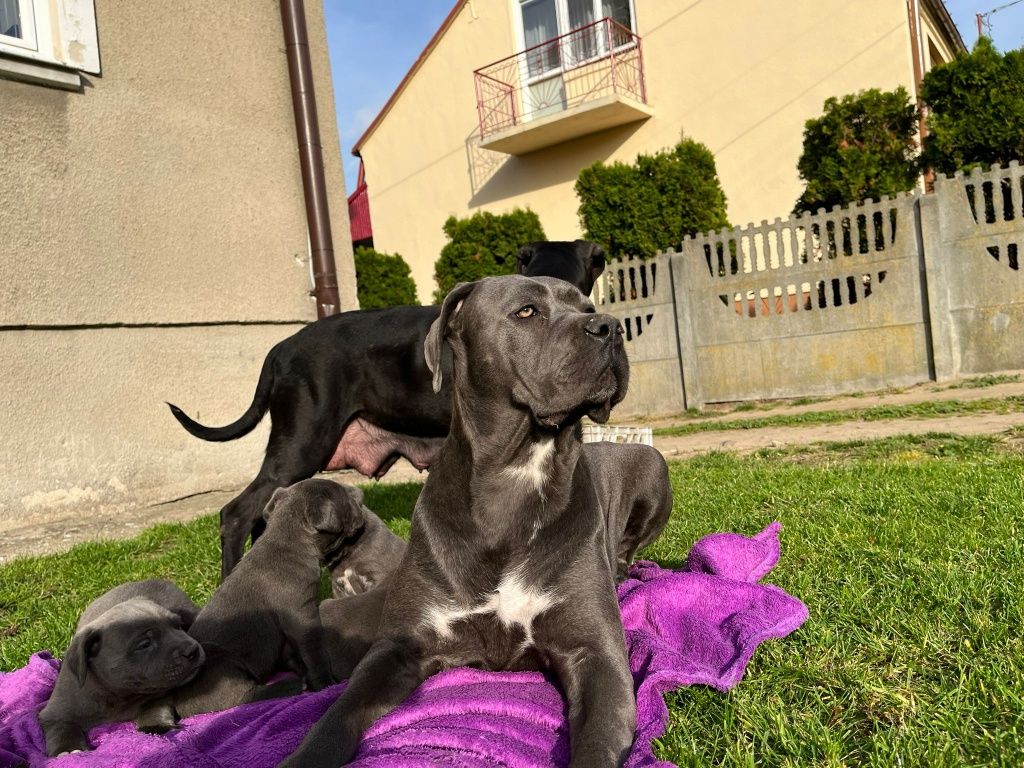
<point>528,311</point>
<point>143,644</point>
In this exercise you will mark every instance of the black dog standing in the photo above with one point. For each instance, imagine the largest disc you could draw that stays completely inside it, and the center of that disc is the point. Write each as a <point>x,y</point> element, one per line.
<point>352,390</point>
<point>510,564</point>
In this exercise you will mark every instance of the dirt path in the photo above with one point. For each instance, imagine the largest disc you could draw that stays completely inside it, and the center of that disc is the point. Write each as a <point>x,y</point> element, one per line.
<point>750,440</point>
<point>60,530</point>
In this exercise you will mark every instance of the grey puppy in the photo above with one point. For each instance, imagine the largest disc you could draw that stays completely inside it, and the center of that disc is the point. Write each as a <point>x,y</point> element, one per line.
<point>634,495</point>
<point>359,567</point>
<point>264,616</point>
<point>509,564</point>
<point>129,649</point>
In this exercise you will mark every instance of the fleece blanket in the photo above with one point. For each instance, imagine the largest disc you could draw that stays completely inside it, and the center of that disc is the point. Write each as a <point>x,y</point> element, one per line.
<point>698,625</point>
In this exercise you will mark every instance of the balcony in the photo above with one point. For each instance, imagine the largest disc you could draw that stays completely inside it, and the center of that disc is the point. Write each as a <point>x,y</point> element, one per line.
<point>585,81</point>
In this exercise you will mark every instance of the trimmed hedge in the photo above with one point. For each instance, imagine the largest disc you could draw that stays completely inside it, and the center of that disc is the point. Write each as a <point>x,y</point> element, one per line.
<point>650,205</point>
<point>862,147</point>
<point>483,244</point>
<point>383,279</point>
<point>975,109</point>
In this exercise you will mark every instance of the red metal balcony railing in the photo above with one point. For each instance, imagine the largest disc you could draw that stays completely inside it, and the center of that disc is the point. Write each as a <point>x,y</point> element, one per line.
<point>601,59</point>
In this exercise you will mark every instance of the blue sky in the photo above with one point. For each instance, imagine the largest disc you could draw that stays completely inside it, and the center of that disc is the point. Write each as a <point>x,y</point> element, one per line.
<point>373,44</point>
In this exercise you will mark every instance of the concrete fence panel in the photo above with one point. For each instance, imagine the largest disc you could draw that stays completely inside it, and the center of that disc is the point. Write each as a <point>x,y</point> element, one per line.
<point>973,228</point>
<point>639,293</point>
<point>815,305</point>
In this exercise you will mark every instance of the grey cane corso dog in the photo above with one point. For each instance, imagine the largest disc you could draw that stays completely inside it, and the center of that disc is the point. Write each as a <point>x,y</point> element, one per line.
<point>633,491</point>
<point>510,564</point>
<point>129,649</point>
<point>352,390</point>
<point>264,615</point>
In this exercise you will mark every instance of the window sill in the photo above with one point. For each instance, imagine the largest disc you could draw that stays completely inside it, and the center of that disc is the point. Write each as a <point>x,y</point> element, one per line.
<point>39,74</point>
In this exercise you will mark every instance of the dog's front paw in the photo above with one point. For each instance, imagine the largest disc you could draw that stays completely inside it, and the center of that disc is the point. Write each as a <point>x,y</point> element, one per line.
<point>157,728</point>
<point>65,740</point>
<point>319,682</point>
<point>158,717</point>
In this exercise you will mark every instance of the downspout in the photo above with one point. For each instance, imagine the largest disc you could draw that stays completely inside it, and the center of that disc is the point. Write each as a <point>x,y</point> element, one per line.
<point>311,160</point>
<point>917,53</point>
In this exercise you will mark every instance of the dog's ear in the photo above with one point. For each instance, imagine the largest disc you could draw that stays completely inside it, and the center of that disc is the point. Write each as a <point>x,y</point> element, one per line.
<point>439,329</point>
<point>327,515</point>
<point>276,499</point>
<point>84,646</point>
<point>355,492</point>
<point>597,262</point>
<point>523,258</point>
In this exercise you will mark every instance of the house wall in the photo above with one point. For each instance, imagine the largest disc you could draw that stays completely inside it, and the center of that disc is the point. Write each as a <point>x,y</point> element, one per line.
<point>154,248</point>
<point>743,82</point>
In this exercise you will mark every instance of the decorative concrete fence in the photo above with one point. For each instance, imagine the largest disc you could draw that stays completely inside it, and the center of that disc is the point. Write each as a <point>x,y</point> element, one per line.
<point>639,293</point>
<point>880,294</point>
<point>973,228</point>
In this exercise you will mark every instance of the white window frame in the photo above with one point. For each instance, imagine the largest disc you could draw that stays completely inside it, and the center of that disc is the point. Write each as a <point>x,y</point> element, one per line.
<point>63,33</point>
<point>27,20</point>
<point>562,22</point>
<point>562,25</point>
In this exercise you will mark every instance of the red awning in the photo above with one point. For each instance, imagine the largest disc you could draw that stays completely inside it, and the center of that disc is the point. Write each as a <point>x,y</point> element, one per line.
<point>359,210</point>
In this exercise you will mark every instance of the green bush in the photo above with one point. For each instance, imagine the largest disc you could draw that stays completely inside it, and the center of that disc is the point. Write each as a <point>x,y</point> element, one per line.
<point>483,244</point>
<point>863,147</point>
<point>975,109</point>
<point>383,279</point>
<point>650,205</point>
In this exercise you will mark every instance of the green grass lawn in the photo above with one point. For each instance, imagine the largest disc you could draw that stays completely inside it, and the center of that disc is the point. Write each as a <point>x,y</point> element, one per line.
<point>908,552</point>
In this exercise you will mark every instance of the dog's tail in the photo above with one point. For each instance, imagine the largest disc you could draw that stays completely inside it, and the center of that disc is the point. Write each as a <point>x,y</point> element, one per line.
<point>246,423</point>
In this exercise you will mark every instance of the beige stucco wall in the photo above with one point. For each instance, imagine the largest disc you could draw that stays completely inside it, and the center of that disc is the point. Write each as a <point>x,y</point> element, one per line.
<point>742,81</point>
<point>157,216</point>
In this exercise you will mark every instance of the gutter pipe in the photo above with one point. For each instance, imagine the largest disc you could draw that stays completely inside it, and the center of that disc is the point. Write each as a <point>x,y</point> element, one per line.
<point>311,161</point>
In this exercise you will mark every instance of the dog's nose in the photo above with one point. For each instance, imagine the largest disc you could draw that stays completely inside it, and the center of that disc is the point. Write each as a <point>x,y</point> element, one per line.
<point>192,652</point>
<point>603,326</point>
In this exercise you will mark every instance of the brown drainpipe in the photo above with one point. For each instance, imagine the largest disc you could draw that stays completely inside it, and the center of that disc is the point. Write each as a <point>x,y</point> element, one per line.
<point>914,18</point>
<point>307,128</point>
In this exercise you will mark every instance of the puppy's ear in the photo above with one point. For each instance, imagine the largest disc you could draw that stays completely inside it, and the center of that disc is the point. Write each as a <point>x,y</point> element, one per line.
<point>597,262</point>
<point>356,492</point>
<point>439,329</point>
<point>330,514</point>
<point>276,499</point>
<point>84,646</point>
<point>523,258</point>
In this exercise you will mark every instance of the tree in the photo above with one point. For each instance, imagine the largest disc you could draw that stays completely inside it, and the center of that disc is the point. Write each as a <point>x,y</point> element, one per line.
<point>383,279</point>
<point>652,204</point>
<point>483,244</point>
<point>975,109</point>
<point>863,147</point>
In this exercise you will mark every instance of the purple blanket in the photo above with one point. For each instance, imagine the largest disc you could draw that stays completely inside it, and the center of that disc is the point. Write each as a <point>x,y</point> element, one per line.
<point>698,625</point>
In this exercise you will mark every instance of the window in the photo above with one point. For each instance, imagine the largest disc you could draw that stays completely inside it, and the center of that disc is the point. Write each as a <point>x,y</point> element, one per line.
<point>17,25</point>
<point>542,22</point>
<point>61,32</point>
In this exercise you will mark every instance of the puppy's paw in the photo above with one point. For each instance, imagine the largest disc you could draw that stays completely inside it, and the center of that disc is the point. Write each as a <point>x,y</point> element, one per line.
<point>159,717</point>
<point>157,728</point>
<point>319,682</point>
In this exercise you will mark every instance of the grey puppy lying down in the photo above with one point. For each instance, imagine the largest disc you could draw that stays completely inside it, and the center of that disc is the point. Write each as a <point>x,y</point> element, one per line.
<point>129,649</point>
<point>263,618</point>
<point>360,566</point>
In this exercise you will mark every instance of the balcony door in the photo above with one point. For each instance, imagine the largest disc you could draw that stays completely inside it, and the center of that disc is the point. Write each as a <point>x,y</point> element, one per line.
<point>543,32</point>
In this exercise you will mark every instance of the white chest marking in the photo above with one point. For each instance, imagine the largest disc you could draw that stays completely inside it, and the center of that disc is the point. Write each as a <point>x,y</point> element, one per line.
<point>511,602</point>
<point>535,471</point>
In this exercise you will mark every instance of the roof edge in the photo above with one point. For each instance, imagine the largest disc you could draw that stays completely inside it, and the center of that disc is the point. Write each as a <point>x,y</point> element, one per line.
<point>938,8</point>
<point>448,21</point>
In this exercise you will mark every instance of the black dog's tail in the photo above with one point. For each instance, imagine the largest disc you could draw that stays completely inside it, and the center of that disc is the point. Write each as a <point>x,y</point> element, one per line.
<point>246,423</point>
